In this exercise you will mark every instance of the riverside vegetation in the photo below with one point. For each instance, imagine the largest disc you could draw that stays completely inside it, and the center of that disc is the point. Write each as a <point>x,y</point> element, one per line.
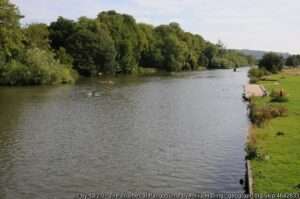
<point>109,44</point>
<point>273,145</point>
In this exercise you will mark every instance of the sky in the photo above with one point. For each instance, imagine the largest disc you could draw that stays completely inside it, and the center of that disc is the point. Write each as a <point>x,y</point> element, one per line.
<point>272,25</point>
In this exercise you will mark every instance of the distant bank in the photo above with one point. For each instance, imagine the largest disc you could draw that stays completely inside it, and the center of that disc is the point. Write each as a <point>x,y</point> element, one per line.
<point>258,54</point>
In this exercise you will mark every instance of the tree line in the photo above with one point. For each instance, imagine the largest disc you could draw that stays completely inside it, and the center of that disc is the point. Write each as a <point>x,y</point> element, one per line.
<point>111,43</point>
<point>273,62</point>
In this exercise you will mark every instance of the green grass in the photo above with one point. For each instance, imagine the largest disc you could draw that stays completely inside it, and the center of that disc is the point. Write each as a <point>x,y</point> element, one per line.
<point>280,172</point>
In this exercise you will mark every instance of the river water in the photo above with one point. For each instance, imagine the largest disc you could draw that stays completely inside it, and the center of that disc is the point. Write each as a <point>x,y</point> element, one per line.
<point>181,133</point>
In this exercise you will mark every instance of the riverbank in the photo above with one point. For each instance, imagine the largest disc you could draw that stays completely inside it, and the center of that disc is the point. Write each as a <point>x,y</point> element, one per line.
<point>276,166</point>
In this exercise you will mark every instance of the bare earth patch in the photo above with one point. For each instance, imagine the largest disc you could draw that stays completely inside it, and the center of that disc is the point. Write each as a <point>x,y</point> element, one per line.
<point>254,90</point>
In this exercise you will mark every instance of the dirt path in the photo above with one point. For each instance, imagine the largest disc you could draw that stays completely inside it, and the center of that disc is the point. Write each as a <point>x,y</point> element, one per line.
<point>254,90</point>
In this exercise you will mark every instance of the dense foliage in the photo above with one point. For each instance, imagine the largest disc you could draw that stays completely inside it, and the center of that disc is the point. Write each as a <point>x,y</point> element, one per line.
<point>116,43</point>
<point>293,61</point>
<point>111,43</point>
<point>257,74</point>
<point>272,62</point>
<point>260,115</point>
<point>25,54</point>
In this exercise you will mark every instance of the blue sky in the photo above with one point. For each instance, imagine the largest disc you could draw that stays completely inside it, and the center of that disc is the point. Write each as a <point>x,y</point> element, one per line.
<point>252,24</point>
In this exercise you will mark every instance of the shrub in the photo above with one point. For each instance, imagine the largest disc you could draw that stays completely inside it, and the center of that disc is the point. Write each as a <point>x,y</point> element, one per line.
<point>278,96</point>
<point>280,133</point>
<point>258,73</point>
<point>46,69</point>
<point>251,151</point>
<point>38,67</point>
<point>262,114</point>
<point>15,73</point>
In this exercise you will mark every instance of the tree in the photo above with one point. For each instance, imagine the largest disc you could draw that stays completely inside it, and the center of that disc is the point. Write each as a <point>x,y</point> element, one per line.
<point>169,51</point>
<point>63,56</point>
<point>127,39</point>
<point>111,43</point>
<point>210,52</point>
<point>11,37</point>
<point>221,48</point>
<point>147,36</point>
<point>293,60</point>
<point>173,53</point>
<point>272,62</point>
<point>92,52</point>
<point>37,35</point>
<point>60,31</point>
<point>195,45</point>
<point>32,63</point>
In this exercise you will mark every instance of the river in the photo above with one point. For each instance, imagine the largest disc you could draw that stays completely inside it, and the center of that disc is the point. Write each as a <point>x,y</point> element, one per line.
<point>181,133</point>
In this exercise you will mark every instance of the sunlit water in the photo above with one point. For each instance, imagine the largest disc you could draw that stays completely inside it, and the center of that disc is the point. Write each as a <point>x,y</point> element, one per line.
<point>184,133</point>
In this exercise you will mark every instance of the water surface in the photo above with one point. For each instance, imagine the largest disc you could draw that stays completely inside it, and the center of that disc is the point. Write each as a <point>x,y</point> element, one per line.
<point>184,133</point>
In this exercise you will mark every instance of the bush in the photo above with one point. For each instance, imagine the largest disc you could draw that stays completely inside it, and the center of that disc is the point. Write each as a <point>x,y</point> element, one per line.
<point>47,70</point>
<point>38,67</point>
<point>279,96</point>
<point>15,73</point>
<point>251,151</point>
<point>262,114</point>
<point>253,80</point>
<point>257,73</point>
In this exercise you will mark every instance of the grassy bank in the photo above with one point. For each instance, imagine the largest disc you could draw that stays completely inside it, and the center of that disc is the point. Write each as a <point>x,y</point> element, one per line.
<point>277,165</point>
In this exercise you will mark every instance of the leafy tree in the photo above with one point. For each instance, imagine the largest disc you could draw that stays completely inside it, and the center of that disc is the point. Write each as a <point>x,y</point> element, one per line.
<point>32,63</point>
<point>203,61</point>
<point>210,52</point>
<point>127,39</point>
<point>115,43</point>
<point>221,63</point>
<point>169,51</point>
<point>293,60</point>
<point>92,52</point>
<point>64,57</point>
<point>148,48</point>
<point>272,62</point>
<point>37,35</point>
<point>85,23</point>
<point>111,43</point>
<point>60,31</point>
<point>195,46</point>
<point>11,37</point>
<point>221,48</point>
<point>236,58</point>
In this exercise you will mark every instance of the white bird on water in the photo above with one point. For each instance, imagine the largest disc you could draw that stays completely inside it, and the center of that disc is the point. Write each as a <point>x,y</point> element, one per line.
<point>93,94</point>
